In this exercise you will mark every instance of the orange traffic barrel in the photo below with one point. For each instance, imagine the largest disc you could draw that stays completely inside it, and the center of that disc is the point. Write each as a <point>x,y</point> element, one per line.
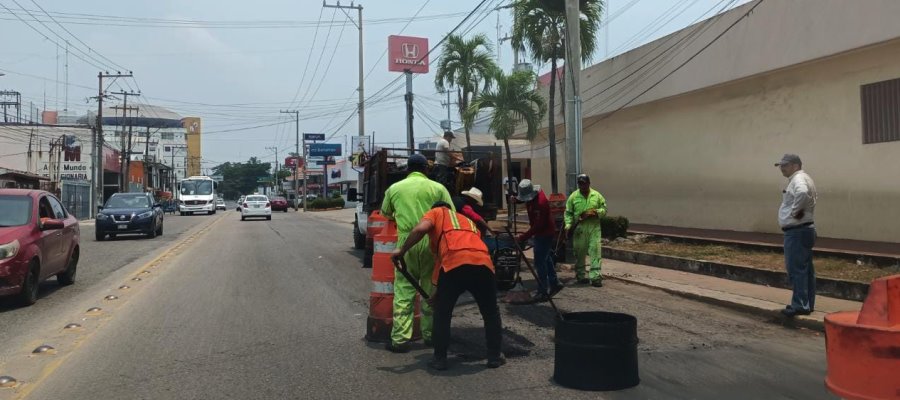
<point>374,226</point>
<point>863,348</point>
<point>381,298</point>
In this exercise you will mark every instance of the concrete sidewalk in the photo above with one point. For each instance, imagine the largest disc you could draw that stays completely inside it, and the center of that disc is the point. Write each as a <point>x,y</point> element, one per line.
<point>746,297</point>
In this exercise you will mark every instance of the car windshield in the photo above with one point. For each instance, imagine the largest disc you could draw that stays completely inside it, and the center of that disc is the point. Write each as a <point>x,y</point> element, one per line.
<point>257,198</point>
<point>196,187</point>
<point>128,202</point>
<point>16,210</point>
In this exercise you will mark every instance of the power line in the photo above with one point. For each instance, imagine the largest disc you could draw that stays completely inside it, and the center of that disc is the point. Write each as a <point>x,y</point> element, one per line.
<point>77,38</point>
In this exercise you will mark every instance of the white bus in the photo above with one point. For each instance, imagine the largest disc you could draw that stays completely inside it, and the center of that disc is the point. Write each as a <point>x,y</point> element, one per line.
<point>197,194</point>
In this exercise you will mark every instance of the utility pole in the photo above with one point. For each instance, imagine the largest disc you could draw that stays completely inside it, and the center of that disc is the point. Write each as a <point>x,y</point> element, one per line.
<point>449,126</point>
<point>573,93</point>
<point>275,149</point>
<point>98,135</point>
<point>174,177</point>
<point>125,155</point>
<point>359,25</point>
<point>296,163</point>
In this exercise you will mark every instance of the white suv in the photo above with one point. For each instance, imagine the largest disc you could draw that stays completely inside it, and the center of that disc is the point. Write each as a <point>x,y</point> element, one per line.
<point>256,205</point>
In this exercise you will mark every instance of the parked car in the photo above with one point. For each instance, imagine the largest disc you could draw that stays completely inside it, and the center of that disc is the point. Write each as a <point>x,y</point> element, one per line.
<point>127,213</point>
<point>38,239</point>
<point>280,204</point>
<point>220,204</point>
<point>257,205</point>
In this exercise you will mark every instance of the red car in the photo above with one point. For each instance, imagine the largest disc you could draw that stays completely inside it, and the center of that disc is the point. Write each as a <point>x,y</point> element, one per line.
<point>279,204</point>
<point>38,240</point>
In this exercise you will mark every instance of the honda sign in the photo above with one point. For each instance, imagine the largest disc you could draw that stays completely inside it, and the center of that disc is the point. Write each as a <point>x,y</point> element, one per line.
<point>408,53</point>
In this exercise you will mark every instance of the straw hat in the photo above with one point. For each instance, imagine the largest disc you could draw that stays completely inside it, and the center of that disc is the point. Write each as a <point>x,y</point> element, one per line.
<point>475,194</point>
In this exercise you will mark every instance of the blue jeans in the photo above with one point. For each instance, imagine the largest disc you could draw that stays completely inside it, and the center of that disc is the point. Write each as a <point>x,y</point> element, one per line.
<point>543,263</point>
<point>798,245</point>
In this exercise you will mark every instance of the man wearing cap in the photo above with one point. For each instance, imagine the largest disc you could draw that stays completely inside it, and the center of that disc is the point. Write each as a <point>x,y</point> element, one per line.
<point>462,263</point>
<point>584,208</point>
<point>795,216</point>
<point>444,160</point>
<point>406,202</point>
<point>543,230</point>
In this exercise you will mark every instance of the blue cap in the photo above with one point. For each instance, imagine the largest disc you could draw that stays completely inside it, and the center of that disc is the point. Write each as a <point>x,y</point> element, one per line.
<point>417,159</point>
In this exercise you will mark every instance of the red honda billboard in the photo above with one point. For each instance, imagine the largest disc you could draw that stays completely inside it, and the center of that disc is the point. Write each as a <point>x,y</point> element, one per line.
<point>408,53</point>
<point>289,162</point>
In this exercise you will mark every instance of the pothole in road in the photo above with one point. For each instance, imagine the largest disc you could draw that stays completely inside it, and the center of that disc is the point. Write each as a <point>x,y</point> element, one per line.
<point>468,343</point>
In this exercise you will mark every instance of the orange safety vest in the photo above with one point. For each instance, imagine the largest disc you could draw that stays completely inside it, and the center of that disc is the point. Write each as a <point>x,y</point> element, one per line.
<point>455,241</point>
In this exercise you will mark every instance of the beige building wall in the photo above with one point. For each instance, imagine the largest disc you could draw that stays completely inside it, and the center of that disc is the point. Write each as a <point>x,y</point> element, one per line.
<point>705,159</point>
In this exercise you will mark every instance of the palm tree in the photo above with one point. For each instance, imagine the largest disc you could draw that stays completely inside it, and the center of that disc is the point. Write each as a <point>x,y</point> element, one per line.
<point>512,101</point>
<point>466,65</point>
<point>540,26</point>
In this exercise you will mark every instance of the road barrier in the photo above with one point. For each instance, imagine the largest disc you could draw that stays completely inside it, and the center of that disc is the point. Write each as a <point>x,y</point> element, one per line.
<point>863,348</point>
<point>381,298</point>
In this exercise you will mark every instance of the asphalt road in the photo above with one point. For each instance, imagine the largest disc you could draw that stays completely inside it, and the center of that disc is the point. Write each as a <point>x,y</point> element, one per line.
<point>277,309</point>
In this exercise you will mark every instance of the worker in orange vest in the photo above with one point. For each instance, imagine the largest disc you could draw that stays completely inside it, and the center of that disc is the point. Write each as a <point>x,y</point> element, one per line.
<point>462,263</point>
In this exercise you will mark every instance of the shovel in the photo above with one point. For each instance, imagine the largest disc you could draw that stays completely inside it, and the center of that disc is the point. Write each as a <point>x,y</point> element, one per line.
<point>400,265</point>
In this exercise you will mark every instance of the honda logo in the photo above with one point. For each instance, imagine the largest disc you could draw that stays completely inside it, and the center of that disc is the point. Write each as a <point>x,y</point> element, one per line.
<point>410,50</point>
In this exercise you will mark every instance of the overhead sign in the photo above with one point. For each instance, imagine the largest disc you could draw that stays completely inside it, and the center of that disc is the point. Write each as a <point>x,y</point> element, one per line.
<point>313,136</point>
<point>291,162</point>
<point>408,53</point>
<point>325,149</point>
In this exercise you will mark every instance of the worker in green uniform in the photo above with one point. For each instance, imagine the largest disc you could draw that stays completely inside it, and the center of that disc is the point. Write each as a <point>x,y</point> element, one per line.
<point>406,202</point>
<point>584,208</point>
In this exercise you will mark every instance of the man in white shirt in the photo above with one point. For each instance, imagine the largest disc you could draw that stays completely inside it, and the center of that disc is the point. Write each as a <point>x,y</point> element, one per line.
<point>444,160</point>
<point>796,216</point>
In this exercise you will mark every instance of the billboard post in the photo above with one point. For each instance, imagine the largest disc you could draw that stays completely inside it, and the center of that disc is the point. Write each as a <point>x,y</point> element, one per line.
<point>408,55</point>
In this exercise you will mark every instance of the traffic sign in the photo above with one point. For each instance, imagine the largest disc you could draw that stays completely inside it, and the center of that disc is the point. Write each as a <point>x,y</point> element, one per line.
<point>325,149</point>
<point>313,136</point>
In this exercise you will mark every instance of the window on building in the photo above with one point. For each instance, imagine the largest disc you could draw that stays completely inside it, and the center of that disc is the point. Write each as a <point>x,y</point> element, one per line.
<point>881,111</point>
<point>167,148</point>
<point>166,135</point>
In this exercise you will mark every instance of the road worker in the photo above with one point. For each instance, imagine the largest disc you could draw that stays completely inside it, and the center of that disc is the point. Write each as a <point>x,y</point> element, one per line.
<point>462,263</point>
<point>584,208</point>
<point>406,202</point>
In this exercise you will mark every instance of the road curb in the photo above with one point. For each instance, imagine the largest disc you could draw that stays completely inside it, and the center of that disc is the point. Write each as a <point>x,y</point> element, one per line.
<point>743,304</point>
<point>773,313</point>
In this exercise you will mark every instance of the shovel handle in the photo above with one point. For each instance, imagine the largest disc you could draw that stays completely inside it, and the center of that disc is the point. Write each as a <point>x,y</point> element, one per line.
<point>400,265</point>
<point>530,268</point>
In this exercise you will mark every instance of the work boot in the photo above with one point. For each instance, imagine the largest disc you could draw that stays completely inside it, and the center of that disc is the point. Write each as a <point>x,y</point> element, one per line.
<point>597,283</point>
<point>428,343</point>
<point>438,364</point>
<point>495,362</point>
<point>397,348</point>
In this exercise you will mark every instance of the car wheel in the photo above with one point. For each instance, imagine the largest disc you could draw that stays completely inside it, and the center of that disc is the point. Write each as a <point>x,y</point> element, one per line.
<point>268,217</point>
<point>359,240</point>
<point>99,235</point>
<point>243,218</point>
<point>213,212</point>
<point>285,210</point>
<point>67,277</point>
<point>112,235</point>
<point>159,231</point>
<point>30,286</point>
<point>152,233</point>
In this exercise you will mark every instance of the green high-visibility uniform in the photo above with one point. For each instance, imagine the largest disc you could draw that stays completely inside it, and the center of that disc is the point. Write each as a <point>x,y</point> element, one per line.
<point>586,239</point>
<point>406,202</point>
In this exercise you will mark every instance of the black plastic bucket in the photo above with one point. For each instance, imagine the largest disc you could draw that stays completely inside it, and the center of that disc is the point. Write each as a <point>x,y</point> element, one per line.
<point>596,350</point>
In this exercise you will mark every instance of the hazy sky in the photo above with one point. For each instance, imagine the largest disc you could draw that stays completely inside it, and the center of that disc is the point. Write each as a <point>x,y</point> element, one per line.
<point>236,64</point>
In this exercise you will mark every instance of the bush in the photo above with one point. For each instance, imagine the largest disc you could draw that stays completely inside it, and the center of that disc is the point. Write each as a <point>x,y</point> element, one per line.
<point>318,204</point>
<point>337,202</point>
<point>613,227</point>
